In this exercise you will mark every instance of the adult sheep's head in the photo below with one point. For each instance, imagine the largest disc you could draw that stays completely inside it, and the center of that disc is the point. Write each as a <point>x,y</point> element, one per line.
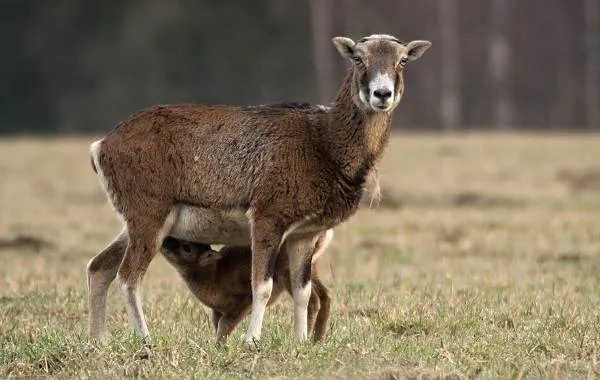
<point>379,62</point>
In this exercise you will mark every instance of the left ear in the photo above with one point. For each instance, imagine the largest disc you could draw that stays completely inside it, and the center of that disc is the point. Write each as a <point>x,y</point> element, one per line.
<point>416,49</point>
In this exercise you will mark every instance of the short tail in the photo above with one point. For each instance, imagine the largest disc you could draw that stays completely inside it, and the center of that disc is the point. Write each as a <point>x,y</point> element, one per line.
<point>93,165</point>
<point>94,148</point>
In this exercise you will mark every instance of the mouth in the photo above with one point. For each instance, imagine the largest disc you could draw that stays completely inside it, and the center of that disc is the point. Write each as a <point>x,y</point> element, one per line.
<point>374,104</point>
<point>380,107</point>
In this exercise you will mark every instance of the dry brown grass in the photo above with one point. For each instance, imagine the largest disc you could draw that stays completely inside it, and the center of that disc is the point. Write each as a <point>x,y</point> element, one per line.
<point>481,261</point>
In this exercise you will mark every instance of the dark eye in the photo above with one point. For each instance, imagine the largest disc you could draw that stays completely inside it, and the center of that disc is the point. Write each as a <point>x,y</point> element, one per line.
<point>403,61</point>
<point>357,60</point>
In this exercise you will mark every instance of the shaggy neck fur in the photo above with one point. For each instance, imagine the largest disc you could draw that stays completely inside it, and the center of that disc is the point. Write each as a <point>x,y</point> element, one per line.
<point>356,137</point>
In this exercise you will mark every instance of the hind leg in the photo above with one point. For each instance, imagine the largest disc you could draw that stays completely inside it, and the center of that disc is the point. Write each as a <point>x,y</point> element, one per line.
<point>146,232</point>
<point>101,271</point>
<point>300,251</point>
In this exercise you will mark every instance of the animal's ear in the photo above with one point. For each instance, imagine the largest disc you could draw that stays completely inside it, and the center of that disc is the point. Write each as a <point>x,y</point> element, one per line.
<point>345,46</point>
<point>417,48</point>
<point>209,257</point>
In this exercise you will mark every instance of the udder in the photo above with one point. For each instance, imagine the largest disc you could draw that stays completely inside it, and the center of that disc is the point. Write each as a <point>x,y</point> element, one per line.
<point>210,226</point>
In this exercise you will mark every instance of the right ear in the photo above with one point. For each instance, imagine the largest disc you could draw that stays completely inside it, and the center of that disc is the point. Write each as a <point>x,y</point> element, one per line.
<point>208,258</point>
<point>345,46</point>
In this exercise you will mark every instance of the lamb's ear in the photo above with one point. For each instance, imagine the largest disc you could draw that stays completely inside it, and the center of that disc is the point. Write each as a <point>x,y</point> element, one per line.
<point>345,46</point>
<point>209,257</point>
<point>416,49</point>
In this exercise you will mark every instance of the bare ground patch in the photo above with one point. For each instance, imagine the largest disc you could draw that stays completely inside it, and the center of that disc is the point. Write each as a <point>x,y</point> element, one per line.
<point>579,180</point>
<point>477,199</point>
<point>24,243</point>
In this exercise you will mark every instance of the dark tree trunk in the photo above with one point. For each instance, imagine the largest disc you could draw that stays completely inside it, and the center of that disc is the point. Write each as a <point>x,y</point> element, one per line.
<point>451,97</point>
<point>592,63</point>
<point>499,65</point>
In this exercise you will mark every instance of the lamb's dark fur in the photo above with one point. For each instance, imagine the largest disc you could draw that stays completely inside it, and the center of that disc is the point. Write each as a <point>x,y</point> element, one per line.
<point>221,281</point>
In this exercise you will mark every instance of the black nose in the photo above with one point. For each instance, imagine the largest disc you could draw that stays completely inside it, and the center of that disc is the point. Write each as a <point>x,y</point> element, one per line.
<point>382,93</point>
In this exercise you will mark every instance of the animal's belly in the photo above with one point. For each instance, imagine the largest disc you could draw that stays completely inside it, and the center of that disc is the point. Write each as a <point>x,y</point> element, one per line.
<point>210,226</point>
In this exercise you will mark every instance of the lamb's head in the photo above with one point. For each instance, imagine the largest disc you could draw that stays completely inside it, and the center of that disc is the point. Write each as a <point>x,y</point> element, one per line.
<point>188,255</point>
<point>379,62</point>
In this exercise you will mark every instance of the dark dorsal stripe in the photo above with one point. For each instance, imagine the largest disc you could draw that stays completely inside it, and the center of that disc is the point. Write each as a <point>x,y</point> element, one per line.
<point>307,107</point>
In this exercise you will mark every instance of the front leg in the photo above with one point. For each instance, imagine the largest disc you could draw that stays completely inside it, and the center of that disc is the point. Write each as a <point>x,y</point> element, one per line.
<point>266,239</point>
<point>216,316</point>
<point>232,318</point>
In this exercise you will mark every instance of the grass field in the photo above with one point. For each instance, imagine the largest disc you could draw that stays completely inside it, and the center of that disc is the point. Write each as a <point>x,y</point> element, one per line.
<point>482,261</point>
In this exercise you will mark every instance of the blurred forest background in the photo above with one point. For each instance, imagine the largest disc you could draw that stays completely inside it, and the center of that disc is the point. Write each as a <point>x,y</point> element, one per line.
<point>80,65</point>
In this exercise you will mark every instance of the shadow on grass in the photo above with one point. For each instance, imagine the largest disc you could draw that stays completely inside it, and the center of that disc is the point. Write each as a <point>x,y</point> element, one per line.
<point>24,243</point>
<point>403,329</point>
<point>415,373</point>
<point>479,200</point>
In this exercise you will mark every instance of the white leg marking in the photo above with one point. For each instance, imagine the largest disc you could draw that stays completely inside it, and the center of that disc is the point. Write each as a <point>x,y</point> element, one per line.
<point>260,298</point>
<point>301,297</point>
<point>98,284</point>
<point>299,251</point>
<point>132,296</point>
<point>133,305</point>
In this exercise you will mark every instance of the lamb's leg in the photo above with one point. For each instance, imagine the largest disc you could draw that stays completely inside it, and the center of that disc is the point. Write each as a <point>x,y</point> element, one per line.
<point>229,321</point>
<point>101,271</point>
<point>314,305</point>
<point>266,239</point>
<point>322,319</point>
<point>216,316</point>
<point>300,251</point>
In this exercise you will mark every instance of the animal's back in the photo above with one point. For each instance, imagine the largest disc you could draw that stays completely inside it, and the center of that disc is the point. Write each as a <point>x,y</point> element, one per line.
<point>212,165</point>
<point>204,149</point>
<point>187,124</point>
